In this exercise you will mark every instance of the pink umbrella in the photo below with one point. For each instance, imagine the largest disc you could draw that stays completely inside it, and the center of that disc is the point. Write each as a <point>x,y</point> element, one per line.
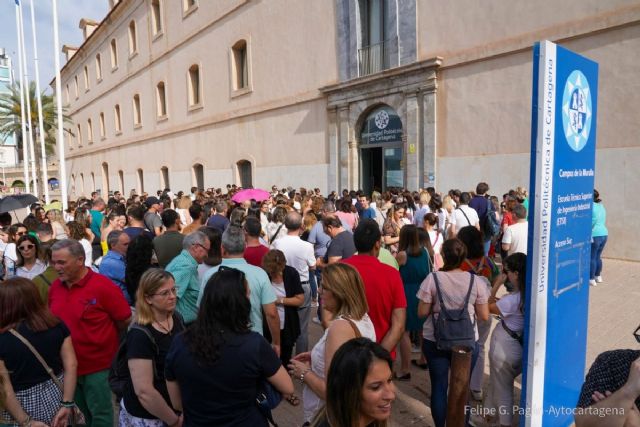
<point>251,194</point>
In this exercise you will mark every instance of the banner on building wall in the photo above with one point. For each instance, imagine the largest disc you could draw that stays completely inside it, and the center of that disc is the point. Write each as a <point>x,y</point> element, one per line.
<point>382,126</point>
<point>563,144</point>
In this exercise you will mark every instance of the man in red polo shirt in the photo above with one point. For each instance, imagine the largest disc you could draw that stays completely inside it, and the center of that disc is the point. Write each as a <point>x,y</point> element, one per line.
<point>382,285</point>
<point>95,311</point>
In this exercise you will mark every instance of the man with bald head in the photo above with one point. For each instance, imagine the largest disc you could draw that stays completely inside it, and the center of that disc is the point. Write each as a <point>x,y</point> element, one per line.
<point>299,255</point>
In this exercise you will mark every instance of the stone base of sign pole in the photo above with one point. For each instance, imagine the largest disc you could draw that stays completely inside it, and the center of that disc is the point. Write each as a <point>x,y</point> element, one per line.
<point>458,386</point>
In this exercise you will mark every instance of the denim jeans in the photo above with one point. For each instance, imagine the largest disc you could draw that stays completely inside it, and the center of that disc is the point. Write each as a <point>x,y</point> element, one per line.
<point>313,281</point>
<point>439,364</point>
<point>597,246</point>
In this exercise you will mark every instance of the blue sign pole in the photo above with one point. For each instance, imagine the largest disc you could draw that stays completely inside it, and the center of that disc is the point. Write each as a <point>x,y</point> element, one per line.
<point>563,143</point>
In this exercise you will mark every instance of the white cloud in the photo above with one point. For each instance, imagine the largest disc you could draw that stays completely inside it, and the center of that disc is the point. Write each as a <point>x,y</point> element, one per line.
<point>69,14</point>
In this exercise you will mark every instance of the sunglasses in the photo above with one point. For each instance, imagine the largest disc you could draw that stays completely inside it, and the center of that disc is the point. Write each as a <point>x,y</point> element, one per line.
<point>25,247</point>
<point>636,334</point>
<point>166,293</point>
<point>21,233</point>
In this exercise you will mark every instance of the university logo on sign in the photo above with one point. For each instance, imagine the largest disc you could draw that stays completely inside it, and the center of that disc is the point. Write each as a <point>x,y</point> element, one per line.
<point>576,110</point>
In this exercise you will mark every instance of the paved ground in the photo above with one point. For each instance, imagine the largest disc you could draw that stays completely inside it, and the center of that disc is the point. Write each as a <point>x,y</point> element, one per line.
<point>613,316</point>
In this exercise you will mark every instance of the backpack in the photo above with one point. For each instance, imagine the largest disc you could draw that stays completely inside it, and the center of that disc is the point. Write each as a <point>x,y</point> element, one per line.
<point>119,374</point>
<point>453,327</point>
<point>490,224</point>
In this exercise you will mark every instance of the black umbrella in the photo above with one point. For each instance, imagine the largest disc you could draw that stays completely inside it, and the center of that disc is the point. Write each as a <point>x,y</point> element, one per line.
<point>19,201</point>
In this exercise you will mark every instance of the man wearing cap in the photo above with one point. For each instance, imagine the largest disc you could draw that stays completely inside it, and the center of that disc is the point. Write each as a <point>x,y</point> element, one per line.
<point>152,219</point>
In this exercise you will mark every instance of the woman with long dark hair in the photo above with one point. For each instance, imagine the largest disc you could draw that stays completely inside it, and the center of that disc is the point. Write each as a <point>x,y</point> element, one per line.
<point>454,285</point>
<point>214,368</point>
<point>505,352</point>
<point>10,255</point>
<point>415,264</point>
<point>29,265</point>
<point>360,387</point>
<point>285,282</point>
<point>33,398</point>
<point>477,263</point>
<point>599,235</point>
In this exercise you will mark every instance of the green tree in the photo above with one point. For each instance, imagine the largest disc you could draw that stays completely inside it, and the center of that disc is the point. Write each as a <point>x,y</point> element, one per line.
<point>11,122</point>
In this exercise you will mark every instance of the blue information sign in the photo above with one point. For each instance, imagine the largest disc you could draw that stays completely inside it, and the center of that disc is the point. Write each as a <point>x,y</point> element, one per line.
<point>563,143</point>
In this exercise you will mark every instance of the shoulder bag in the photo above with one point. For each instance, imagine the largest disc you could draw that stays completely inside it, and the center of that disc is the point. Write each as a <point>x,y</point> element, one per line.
<point>76,417</point>
<point>453,327</point>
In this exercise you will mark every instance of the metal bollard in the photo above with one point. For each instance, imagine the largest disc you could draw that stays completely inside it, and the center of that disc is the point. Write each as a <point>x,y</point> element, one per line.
<point>460,375</point>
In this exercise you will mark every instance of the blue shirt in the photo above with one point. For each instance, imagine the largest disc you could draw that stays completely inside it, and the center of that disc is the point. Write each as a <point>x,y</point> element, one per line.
<point>218,221</point>
<point>185,271</point>
<point>480,204</point>
<point>113,266</point>
<point>259,287</point>
<point>96,222</point>
<point>368,213</point>
<point>598,220</point>
<point>319,239</point>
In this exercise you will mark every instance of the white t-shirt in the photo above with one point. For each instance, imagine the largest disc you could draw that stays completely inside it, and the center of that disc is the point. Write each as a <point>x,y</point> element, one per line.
<point>509,307</point>
<point>516,235</point>
<point>459,220</point>
<point>88,251</point>
<point>299,254</point>
<point>10,258</point>
<point>437,239</point>
<point>280,292</point>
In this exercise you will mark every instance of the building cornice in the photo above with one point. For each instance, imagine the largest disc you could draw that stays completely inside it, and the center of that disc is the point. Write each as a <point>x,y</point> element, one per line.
<point>360,82</point>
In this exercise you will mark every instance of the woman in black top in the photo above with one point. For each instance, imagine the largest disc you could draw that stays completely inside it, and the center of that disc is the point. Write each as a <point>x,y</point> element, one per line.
<point>145,400</point>
<point>213,369</point>
<point>32,396</point>
<point>285,281</point>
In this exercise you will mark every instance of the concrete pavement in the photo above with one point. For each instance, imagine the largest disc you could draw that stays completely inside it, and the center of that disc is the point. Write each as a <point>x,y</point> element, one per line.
<point>613,316</point>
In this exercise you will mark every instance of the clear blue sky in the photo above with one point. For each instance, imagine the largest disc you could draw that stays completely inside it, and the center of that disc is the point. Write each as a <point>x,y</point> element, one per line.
<point>69,14</point>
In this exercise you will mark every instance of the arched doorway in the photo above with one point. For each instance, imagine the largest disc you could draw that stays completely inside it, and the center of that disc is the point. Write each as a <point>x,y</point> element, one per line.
<point>244,172</point>
<point>198,176</point>
<point>381,154</point>
<point>54,184</point>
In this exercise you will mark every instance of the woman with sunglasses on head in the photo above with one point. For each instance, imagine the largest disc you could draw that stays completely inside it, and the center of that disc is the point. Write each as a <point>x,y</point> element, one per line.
<point>214,368</point>
<point>10,257</point>
<point>505,352</point>
<point>344,298</point>
<point>360,387</point>
<point>32,397</point>
<point>29,265</point>
<point>145,401</point>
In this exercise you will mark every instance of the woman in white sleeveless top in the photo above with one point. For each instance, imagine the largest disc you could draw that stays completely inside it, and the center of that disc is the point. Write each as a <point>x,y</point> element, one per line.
<point>343,296</point>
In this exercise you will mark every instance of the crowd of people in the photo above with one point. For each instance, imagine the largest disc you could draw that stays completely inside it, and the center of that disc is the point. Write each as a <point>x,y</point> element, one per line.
<point>187,306</point>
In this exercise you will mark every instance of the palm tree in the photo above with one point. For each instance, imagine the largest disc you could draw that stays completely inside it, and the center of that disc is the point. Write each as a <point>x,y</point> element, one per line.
<point>11,116</point>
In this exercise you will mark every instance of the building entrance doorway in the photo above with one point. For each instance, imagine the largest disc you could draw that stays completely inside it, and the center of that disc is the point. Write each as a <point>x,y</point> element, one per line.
<point>381,153</point>
<point>381,168</point>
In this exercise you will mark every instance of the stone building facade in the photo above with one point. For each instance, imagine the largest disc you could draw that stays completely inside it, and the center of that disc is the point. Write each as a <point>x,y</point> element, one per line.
<point>343,94</point>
